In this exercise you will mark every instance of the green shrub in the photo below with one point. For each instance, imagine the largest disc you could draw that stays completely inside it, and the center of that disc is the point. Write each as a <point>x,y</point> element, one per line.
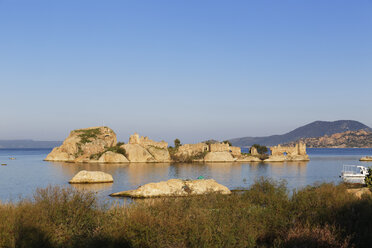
<point>323,215</point>
<point>260,149</point>
<point>116,149</point>
<point>227,142</point>
<point>368,178</point>
<point>87,134</point>
<point>177,143</point>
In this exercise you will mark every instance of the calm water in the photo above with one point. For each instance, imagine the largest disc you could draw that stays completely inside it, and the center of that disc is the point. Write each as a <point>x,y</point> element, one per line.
<point>22,176</point>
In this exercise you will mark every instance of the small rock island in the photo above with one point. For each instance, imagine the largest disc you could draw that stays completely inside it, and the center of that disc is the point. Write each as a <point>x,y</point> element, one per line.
<point>366,159</point>
<point>99,145</point>
<point>176,187</point>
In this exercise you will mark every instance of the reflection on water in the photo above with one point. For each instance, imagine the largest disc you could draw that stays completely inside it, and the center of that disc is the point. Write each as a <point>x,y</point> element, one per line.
<point>96,187</point>
<point>140,172</point>
<point>28,172</point>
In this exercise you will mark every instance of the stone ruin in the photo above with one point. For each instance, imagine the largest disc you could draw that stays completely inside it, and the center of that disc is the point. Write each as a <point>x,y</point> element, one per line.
<point>219,147</point>
<point>235,151</point>
<point>193,149</point>
<point>288,153</point>
<point>254,151</point>
<point>298,149</point>
<point>146,142</point>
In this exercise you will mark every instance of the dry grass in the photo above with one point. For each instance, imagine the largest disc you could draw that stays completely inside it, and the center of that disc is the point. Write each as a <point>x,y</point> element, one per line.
<point>263,216</point>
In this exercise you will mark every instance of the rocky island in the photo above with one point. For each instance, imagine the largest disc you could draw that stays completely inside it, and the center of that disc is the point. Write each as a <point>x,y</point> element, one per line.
<point>99,145</point>
<point>366,159</point>
<point>176,187</point>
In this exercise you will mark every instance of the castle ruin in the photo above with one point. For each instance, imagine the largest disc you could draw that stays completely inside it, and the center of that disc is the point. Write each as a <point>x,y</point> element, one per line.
<point>146,142</point>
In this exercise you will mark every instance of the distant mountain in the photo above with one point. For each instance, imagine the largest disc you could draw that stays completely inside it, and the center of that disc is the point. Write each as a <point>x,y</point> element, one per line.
<point>28,144</point>
<point>312,130</point>
<point>349,139</point>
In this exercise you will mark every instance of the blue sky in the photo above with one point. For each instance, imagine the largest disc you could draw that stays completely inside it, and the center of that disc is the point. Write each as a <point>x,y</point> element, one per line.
<point>192,70</point>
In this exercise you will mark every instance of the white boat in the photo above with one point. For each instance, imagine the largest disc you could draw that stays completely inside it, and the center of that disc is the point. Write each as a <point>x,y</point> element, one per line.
<point>354,174</point>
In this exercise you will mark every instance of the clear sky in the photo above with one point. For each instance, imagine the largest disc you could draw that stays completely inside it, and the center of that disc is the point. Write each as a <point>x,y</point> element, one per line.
<point>192,70</point>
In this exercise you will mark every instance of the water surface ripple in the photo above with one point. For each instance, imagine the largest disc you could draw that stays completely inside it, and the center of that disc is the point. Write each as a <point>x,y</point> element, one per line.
<point>20,177</point>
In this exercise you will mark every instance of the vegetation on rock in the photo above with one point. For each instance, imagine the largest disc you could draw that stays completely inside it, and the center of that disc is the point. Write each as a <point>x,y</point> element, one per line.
<point>177,143</point>
<point>227,142</point>
<point>184,158</point>
<point>260,149</point>
<point>265,215</point>
<point>116,149</point>
<point>86,135</point>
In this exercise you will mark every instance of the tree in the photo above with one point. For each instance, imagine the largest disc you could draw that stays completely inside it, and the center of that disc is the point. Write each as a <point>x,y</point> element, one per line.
<point>368,178</point>
<point>227,142</point>
<point>177,143</point>
<point>260,149</point>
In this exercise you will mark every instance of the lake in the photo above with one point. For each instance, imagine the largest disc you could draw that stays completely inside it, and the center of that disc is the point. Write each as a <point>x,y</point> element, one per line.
<point>20,177</point>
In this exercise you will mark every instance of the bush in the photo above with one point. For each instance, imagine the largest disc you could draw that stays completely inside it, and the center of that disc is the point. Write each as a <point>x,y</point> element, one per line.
<point>260,149</point>
<point>323,215</point>
<point>177,143</point>
<point>87,134</point>
<point>227,142</point>
<point>116,149</point>
<point>368,178</point>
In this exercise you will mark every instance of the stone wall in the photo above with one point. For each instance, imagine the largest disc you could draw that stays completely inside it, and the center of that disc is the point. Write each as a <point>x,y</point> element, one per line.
<point>298,149</point>
<point>146,142</point>
<point>235,151</point>
<point>254,151</point>
<point>192,149</point>
<point>219,147</point>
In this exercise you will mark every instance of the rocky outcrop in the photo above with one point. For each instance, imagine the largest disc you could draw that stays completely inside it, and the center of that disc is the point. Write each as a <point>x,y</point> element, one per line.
<point>218,157</point>
<point>92,177</point>
<point>349,139</point>
<point>137,153</point>
<point>366,159</point>
<point>159,154</point>
<point>282,158</point>
<point>112,157</point>
<point>176,187</point>
<point>248,159</point>
<point>99,145</point>
<point>83,143</point>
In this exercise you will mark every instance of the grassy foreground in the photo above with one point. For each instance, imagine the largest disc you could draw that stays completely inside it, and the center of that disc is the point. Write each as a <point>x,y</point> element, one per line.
<point>264,216</point>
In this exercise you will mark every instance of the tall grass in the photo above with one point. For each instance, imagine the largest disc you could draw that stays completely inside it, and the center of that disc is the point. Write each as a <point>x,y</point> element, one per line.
<point>265,215</point>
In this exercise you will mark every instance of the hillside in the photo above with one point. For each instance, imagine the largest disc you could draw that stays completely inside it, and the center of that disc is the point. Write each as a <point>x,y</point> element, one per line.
<point>13,144</point>
<point>349,139</point>
<point>314,129</point>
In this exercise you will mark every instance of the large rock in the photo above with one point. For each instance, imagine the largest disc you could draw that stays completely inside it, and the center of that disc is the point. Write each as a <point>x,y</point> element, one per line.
<point>366,159</point>
<point>92,177</point>
<point>83,143</point>
<point>276,158</point>
<point>218,157</point>
<point>176,187</point>
<point>248,159</point>
<point>137,153</point>
<point>288,158</point>
<point>159,154</point>
<point>112,157</point>
<point>57,154</point>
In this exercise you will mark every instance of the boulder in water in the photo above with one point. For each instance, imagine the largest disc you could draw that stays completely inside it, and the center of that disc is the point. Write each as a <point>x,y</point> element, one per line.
<point>92,177</point>
<point>176,187</point>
